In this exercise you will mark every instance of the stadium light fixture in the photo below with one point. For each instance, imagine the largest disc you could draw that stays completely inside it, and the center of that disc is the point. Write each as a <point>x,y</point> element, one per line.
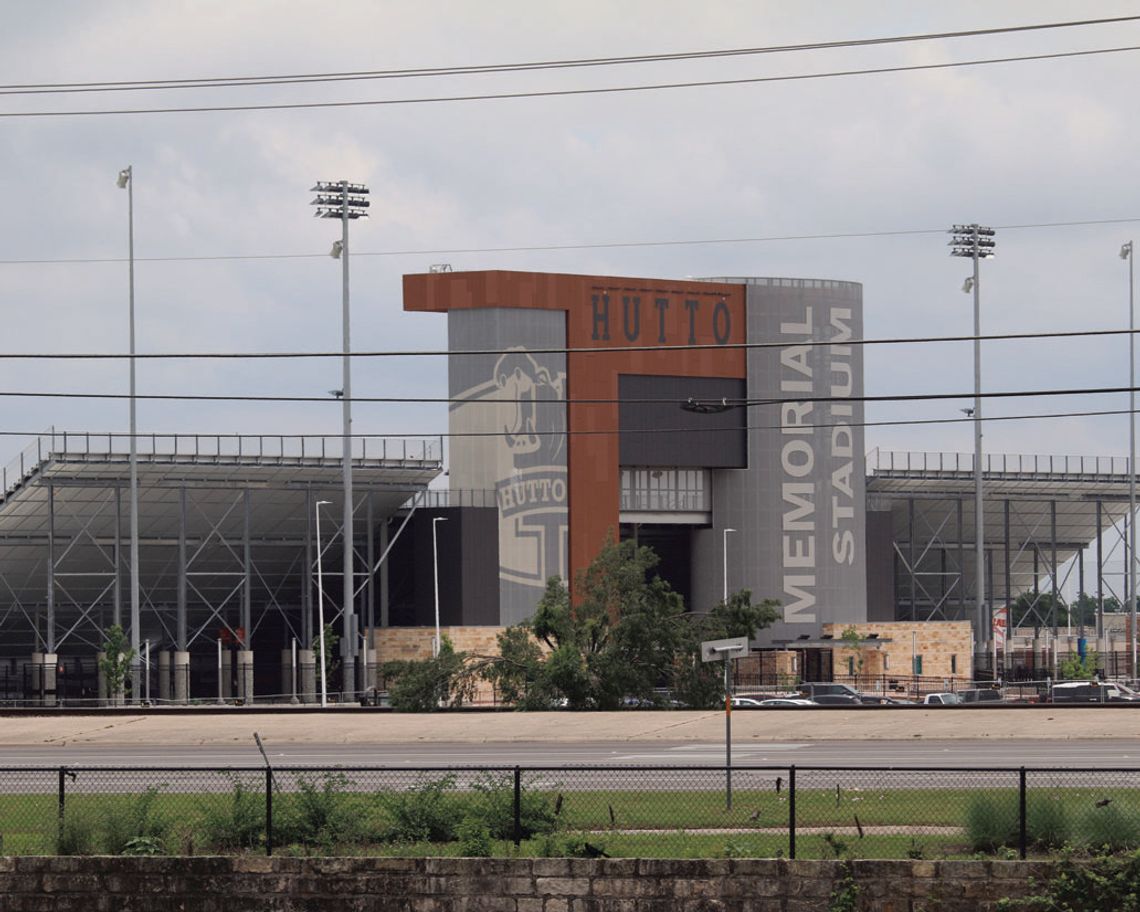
<point>976,242</point>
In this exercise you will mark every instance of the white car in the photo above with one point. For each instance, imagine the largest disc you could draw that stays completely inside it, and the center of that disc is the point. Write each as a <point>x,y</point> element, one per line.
<point>941,699</point>
<point>738,702</point>
<point>787,701</point>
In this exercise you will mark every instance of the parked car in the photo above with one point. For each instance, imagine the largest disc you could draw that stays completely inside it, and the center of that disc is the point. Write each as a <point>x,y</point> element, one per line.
<point>883,700</point>
<point>813,689</point>
<point>982,695</point>
<point>745,702</point>
<point>836,699</point>
<point>941,699</point>
<point>1092,692</point>
<point>787,701</point>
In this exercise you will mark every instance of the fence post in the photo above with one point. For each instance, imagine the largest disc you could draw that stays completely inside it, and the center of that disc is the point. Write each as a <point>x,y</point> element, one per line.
<point>518,806</point>
<point>268,811</point>
<point>792,812</point>
<point>1021,834</point>
<point>62,796</point>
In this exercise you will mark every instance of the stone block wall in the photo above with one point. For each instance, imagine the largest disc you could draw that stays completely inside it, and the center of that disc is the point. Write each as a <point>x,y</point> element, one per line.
<point>414,644</point>
<point>249,883</point>
<point>946,648</point>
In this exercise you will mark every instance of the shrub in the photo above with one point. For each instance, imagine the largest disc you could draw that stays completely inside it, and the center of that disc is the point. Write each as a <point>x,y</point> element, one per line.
<point>1046,821</point>
<point>1097,885</point>
<point>423,813</point>
<point>1108,829</point>
<point>495,805</point>
<point>319,814</point>
<point>76,835</point>
<point>474,839</point>
<point>139,819</point>
<point>992,821</point>
<point>236,823</point>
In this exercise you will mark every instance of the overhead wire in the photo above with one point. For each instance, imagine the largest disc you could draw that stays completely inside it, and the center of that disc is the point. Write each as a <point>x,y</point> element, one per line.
<point>527,66</point>
<point>558,350</point>
<point>564,93</point>
<point>445,400</point>
<point>543,248</point>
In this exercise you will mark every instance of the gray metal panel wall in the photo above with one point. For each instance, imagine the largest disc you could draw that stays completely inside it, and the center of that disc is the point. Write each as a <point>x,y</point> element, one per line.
<point>468,552</point>
<point>880,567</point>
<point>664,434</point>
<point>514,407</point>
<point>799,506</point>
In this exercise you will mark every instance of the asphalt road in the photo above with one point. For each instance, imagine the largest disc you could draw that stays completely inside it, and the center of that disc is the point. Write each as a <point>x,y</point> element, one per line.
<point>974,753</point>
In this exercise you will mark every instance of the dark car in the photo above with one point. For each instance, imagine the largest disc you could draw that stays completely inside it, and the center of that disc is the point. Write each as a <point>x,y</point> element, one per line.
<point>982,695</point>
<point>812,689</point>
<point>836,700</point>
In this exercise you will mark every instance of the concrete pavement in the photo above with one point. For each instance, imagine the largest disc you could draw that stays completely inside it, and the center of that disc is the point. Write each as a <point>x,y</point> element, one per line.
<point>172,727</point>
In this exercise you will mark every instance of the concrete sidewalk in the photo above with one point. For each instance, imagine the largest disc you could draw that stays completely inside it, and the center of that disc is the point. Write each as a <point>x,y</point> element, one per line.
<point>171,727</point>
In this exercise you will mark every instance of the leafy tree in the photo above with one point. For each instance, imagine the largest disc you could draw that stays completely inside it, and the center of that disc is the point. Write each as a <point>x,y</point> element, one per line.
<point>115,663</point>
<point>431,684</point>
<point>619,640</point>
<point>1073,667</point>
<point>1039,610</point>
<point>701,684</point>
<point>852,642</point>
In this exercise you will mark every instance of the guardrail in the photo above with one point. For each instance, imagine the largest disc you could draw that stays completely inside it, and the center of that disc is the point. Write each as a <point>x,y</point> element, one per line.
<point>280,449</point>
<point>995,463</point>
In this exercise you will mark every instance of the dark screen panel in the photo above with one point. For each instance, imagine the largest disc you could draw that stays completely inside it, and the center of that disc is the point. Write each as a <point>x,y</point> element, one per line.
<point>657,431</point>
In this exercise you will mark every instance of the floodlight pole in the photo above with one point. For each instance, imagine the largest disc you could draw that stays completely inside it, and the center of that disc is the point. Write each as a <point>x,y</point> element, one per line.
<point>340,199</point>
<point>976,242</point>
<point>1130,575</point>
<point>126,181</point>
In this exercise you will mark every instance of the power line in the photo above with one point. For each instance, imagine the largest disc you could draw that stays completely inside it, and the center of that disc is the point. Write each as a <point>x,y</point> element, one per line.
<point>545,248</point>
<point>617,349</point>
<point>562,93</point>
<point>825,425</point>
<point>444,400</point>
<point>416,72</point>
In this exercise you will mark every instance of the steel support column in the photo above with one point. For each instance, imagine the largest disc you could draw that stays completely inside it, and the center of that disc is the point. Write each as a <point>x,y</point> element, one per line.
<point>961,564</point>
<point>1008,568</point>
<point>49,639</point>
<point>180,623</point>
<point>1053,561</point>
<point>307,576</point>
<point>247,567</point>
<point>910,560</point>
<point>117,610</point>
<point>1099,576</point>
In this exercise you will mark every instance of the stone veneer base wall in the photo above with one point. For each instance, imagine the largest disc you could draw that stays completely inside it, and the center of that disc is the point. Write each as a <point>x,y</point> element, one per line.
<point>281,884</point>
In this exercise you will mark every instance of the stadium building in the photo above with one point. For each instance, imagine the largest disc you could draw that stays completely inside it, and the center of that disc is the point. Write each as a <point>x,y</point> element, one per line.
<point>719,421</point>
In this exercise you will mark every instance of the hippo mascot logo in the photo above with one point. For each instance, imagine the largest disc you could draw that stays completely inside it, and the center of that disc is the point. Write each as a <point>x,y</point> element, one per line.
<point>532,499</point>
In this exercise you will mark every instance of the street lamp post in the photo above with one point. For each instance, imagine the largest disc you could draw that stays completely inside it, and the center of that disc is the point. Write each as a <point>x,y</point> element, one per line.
<point>126,181</point>
<point>1130,575</point>
<point>977,243</point>
<point>321,604</point>
<point>345,201</point>
<point>724,553</point>
<point>436,520</point>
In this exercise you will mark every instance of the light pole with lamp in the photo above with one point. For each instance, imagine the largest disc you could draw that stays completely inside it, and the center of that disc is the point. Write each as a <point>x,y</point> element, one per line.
<point>977,243</point>
<point>321,603</point>
<point>345,201</point>
<point>1130,575</point>
<point>724,553</point>
<point>126,182</point>
<point>436,520</point>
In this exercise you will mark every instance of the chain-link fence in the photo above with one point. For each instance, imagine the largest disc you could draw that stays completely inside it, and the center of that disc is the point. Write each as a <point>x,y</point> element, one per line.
<point>673,812</point>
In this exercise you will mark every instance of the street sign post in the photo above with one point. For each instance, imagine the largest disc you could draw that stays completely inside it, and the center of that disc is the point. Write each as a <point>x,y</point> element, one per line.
<point>729,649</point>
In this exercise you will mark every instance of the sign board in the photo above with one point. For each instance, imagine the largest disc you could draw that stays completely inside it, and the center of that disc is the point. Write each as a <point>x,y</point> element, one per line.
<point>719,650</point>
<point>1001,621</point>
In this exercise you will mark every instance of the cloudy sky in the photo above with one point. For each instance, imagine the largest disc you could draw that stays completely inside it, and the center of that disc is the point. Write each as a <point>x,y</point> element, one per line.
<point>230,259</point>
